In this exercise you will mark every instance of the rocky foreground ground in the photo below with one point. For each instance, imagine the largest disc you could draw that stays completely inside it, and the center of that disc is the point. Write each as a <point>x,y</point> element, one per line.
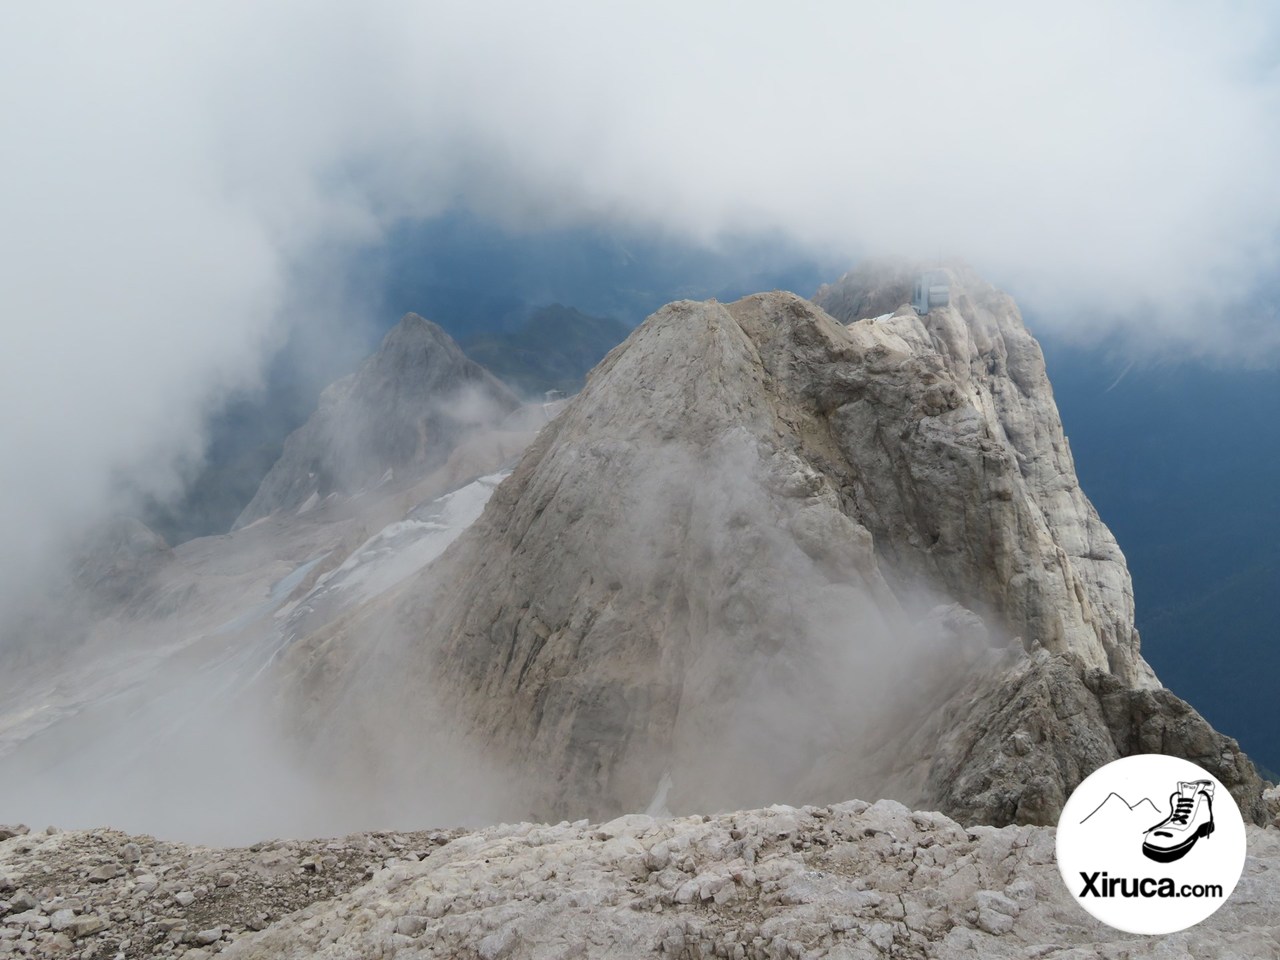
<point>854,880</point>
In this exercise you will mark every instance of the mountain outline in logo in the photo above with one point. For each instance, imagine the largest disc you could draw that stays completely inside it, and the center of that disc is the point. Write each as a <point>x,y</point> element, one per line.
<point>1129,807</point>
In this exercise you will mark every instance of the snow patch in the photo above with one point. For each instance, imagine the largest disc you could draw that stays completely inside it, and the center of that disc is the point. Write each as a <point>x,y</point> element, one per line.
<point>280,591</point>
<point>401,549</point>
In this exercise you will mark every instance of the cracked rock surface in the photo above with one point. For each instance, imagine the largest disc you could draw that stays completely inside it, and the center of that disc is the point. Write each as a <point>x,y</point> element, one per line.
<point>851,880</point>
<point>105,894</point>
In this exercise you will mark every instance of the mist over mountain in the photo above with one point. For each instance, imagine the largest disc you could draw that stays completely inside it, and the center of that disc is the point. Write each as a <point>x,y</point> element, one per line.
<point>852,557</point>
<point>478,275</point>
<point>406,407</point>
<point>492,288</point>
<point>298,538</point>
<point>175,262</point>
<point>1150,438</point>
<point>744,499</point>
<point>774,550</point>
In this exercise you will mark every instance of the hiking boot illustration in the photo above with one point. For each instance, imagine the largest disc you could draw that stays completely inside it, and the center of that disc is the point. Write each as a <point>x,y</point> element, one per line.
<point>1190,818</point>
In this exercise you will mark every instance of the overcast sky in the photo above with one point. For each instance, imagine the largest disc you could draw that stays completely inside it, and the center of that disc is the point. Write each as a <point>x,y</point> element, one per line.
<point>166,167</point>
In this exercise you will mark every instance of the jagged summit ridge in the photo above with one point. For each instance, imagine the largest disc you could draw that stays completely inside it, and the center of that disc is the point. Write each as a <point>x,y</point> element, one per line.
<point>406,408</point>
<point>766,555</point>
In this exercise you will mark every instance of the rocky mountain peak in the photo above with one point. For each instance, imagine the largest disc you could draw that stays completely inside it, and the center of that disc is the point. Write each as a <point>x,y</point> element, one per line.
<point>418,343</point>
<point>769,555</point>
<point>403,410</point>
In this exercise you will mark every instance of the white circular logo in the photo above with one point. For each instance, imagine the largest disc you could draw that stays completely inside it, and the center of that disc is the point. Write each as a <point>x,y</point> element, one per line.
<point>1151,844</point>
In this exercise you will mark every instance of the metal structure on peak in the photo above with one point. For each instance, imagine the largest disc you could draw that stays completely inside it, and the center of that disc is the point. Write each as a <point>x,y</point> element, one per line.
<point>932,289</point>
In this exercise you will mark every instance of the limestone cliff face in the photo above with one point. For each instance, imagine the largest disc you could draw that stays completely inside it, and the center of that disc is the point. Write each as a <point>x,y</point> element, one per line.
<point>766,555</point>
<point>406,408</point>
<point>992,496</point>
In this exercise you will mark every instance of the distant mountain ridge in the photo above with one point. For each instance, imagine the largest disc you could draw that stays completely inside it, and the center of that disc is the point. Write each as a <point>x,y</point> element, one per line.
<point>407,407</point>
<point>475,278</point>
<point>768,554</point>
<point>552,350</point>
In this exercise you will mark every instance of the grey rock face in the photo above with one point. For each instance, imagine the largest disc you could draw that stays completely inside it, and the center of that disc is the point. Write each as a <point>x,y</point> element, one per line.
<point>1270,797</point>
<point>405,409</point>
<point>767,555</point>
<point>981,417</point>
<point>1014,747</point>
